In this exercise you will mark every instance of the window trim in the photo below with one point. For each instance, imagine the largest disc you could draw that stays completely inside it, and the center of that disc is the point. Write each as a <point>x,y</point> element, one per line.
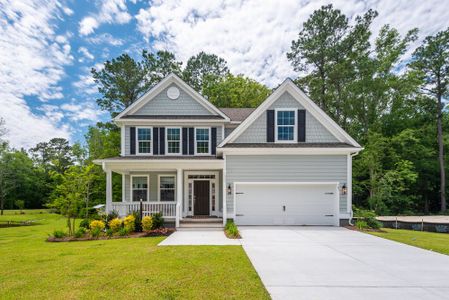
<point>137,140</point>
<point>159,187</point>
<point>132,189</point>
<point>209,141</point>
<point>180,141</point>
<point>295,125</point>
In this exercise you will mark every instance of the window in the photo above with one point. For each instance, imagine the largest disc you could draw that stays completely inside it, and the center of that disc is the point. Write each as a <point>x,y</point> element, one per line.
<point>167,188</point>
<point>143,140</point>
<point>139,188</point>
<point>202,140</point>
<point>285,125</point>
<point>173,140</point>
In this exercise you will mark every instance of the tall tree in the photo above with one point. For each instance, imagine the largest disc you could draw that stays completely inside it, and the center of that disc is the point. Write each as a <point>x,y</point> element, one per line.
<point>204,69</point>
<point>54,155</point>
<point>160,64</point>
<point>432,60</point>
<point>121,81</point>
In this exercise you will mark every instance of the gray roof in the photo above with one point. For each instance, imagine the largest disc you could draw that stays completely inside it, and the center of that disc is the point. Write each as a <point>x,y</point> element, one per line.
<point>237,114</point>
<point>160,157</point>
<point>288,145</point>
<point>167,117</point>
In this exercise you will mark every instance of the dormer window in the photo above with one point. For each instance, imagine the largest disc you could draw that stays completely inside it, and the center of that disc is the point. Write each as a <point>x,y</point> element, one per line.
<point>285,125</point>
<point>144,145</point>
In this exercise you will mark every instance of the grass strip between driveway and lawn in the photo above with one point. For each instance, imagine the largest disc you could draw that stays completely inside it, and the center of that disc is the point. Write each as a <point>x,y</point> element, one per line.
<point>31,268</point>
<point>437,242</point>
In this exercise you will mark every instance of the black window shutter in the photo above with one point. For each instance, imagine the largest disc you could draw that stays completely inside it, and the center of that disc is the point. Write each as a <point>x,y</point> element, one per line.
<point>155,140</point>
<point>132,140</point>
<point>185,140</point>
<point>270,126</point>
<point>301,125</point>
<point>162,140</point>
<point>214,140</point>
<point>191,141</point>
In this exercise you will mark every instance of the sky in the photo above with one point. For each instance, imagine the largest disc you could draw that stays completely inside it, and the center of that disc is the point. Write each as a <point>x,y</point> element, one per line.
<point>47,48</point>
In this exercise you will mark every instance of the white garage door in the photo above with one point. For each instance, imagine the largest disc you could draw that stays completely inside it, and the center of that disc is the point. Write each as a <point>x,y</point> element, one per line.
<point>286,204</point>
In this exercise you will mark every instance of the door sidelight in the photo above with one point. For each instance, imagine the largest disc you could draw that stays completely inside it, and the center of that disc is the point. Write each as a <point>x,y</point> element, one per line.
<point>283,207</point>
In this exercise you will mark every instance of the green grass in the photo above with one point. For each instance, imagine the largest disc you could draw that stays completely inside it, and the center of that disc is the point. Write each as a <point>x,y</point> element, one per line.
<point>438,242</point>
<point>31,268</point>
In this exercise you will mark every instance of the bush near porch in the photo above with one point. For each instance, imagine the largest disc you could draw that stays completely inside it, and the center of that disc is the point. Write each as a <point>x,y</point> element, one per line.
<point>118,268</point>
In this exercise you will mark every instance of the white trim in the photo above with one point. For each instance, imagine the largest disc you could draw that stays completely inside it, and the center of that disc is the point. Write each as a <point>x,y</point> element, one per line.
<point>225,194</point>
<point>295,125</point>
<point>210,142</point>
<point>132,189</point>
<point>151,141</point>
<point>166,141</point>
<point>171,78</point>
<point>305,101</point>
<point>287,151</point>
<point>165,122</point>
<point>123,188</point>
<point>159,187</point>
<point>185,209</point>
<point>122,140</point>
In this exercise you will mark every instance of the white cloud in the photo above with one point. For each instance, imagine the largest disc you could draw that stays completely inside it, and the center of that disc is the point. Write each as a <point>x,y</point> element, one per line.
<point>254,37</point>
<point>111,11</point>
<point>85,53</point>
<point>32,62</point>
<point>81,111</point>
<point>105,38</point>
<point>67,10</point>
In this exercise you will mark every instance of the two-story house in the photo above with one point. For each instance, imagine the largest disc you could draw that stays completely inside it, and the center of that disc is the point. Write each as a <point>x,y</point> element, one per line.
<point>283,163</point>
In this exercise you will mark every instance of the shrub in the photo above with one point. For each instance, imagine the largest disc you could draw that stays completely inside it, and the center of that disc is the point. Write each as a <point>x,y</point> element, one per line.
<point>123,231</point>
<point>374,223</point>
<point>231,230</point>
<point>158,220</point>
<point>110,216</point>
<point>137,221</point>
<point>97,224</point>
<point>110,232</point>
<point>59,234</point>
<point>115,224</point>
<point>360,224</point>
<point>95,232</point>
<point>147,223</point>
<point>369,217</point>
<point>128,223</point>
<point>84,223</point>
<point>80,232</point>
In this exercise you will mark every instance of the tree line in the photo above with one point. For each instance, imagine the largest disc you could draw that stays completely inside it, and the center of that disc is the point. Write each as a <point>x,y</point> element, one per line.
<point>389,98</point>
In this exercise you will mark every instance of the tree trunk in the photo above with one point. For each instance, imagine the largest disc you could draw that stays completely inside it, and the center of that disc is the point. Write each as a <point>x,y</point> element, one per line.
<point>2,203</point>
<point>441,156</point>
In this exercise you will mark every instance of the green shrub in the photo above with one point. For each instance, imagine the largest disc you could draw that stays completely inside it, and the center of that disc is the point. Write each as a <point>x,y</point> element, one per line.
<point>59,234</point>
<point>360,224</point>
<point>80,232</point>
<point>109,232</point>
<point>368,216</point>
<point>147,223</point>
<point>97,224</point>
<point>123,231</point>
<point>137,221</point>
<point>374,223</point>
<point>95,232</point>
<point>84,223</point>
<point>129,223</point>
<point>110,216</point>
<point>231,230</point>
<point>158,220</point>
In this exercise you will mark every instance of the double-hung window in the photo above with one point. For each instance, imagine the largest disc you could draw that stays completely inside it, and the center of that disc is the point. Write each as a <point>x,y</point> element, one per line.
<point>167,188</point>
<point>285,125</point>
<point>144,135</point>
<point>202,140</point>
<point>139,188</point>
<point>173,140</point>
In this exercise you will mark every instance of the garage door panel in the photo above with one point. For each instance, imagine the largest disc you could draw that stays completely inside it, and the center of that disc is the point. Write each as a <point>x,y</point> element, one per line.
<point>286,204</point>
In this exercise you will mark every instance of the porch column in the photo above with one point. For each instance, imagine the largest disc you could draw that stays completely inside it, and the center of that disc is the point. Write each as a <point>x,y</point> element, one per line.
<point>108,191</point>
<point>179,198</point>
<point>225,194</point>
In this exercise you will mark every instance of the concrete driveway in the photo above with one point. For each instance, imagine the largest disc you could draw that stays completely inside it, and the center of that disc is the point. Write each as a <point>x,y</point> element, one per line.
<point>337,263</point>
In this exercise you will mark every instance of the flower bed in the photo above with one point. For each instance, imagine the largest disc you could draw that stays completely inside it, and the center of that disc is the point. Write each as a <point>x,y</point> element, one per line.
<point>151,233</point>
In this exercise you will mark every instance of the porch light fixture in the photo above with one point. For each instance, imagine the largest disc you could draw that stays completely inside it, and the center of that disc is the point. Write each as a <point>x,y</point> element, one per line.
<point>229,189</point>
<point>344,189</point>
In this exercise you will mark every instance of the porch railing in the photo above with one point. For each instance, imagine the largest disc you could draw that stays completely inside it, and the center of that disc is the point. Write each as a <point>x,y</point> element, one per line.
<point>168,209</point>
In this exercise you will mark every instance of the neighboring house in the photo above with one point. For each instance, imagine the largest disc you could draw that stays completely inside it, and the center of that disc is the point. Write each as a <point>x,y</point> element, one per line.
<point>283,163</point>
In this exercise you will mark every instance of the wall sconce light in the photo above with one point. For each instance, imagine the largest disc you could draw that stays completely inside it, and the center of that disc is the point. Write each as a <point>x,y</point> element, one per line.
<point>344,189</point>
<point>229,189</point>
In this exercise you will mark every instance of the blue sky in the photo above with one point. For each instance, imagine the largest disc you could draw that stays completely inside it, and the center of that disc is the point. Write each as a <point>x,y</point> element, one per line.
<point>47,48</point>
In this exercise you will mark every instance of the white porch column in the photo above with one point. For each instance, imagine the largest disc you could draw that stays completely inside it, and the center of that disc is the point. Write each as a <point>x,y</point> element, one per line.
<point>179,198</point>
<point>108,190</point>
<point>225,193</point>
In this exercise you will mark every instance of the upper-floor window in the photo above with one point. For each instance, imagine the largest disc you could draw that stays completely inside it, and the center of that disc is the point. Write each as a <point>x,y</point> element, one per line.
<point>144,140</point>
<point>202,140</point>
<point>285,125</point>
<point>173,140</point>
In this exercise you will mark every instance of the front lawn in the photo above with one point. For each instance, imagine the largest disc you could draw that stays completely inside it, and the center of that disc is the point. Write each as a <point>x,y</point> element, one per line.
<point>118,269</point>
<point>438,242</point>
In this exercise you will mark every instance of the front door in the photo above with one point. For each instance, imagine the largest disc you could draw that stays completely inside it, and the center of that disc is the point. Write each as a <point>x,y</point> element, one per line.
<point>201,196</point>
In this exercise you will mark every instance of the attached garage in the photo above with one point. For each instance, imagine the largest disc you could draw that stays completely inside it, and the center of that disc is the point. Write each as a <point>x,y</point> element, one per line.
<point>295,203</point>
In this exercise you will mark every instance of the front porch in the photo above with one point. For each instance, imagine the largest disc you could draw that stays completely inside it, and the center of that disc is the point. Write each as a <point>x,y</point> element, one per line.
<point>178,189</point>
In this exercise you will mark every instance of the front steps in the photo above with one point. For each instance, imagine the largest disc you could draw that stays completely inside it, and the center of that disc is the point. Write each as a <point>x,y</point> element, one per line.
<point>201,224</point>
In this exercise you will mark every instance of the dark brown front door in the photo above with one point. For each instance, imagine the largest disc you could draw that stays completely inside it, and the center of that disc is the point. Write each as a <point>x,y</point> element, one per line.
<point>201,195</point>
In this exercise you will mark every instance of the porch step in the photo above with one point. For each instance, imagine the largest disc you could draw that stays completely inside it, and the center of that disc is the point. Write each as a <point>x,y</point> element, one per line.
<point>201,220</point>
<point>199,229</point>
<point>201,225</point>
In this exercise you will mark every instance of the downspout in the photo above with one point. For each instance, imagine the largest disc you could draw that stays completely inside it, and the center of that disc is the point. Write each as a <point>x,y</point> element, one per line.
<point>351,213</point>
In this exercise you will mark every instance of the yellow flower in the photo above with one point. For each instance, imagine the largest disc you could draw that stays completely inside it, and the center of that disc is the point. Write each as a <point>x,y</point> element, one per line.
<point>97,224</point>
<point>128,222</point>
<point>147,223</point>
<point>115,224</point>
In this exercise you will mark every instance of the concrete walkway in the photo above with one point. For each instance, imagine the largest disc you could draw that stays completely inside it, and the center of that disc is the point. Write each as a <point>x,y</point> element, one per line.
<point>198,237</point>
<point>337,263</point>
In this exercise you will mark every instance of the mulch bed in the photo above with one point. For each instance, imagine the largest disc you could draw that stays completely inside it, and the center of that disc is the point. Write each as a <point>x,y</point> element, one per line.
<point>152,233</point>
<point>364,230</point>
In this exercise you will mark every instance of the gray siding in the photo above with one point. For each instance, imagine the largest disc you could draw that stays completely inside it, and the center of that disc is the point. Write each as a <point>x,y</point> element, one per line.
<point>316,168</point>
<point>228,130</point>
<point>315,131</point>
<point>162,105</point>
<point>153,184</point>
